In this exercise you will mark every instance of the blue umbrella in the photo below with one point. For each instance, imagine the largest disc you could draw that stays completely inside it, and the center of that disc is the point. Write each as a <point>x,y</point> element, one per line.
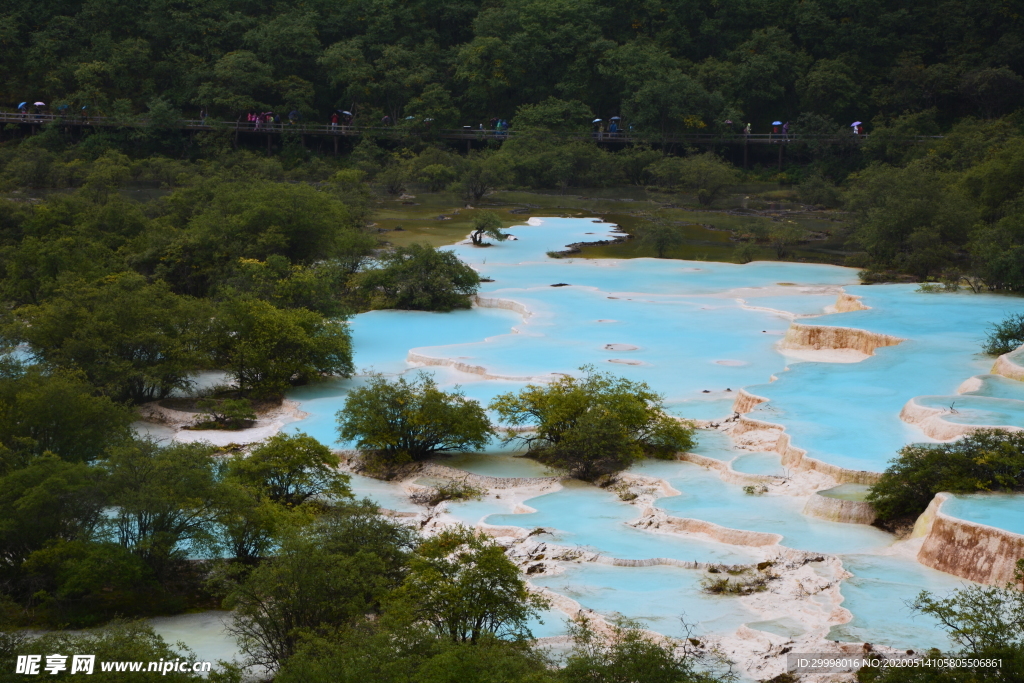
<point>776,123</point>
<point>22,105</point>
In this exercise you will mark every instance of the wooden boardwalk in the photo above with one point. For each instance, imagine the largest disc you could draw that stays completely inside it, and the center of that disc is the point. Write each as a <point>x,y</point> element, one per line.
<point>33,122</point>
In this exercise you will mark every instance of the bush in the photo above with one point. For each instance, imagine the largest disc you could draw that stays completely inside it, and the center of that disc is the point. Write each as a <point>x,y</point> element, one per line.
<point>404,421</point>
<point>820,191</point>
<point>743,581</point>
<point>229,413</point>
<point>486,223</point>
<point>593,425</point>
<point>987,460</point>
<point>450,490</point>
<point>419,277</point>
<point>1005,336</point>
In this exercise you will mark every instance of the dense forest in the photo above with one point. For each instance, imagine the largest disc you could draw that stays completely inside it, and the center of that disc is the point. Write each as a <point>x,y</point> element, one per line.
<point>137,255</point>
<point>659,63</point>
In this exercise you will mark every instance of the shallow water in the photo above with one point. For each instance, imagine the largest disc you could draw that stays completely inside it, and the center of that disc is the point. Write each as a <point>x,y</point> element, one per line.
<point>879,594</point>
<point>1002,510</point>
<point>202,632</point>
<point>663,597</point>
<point>593,518</point>
<point>697,332</point>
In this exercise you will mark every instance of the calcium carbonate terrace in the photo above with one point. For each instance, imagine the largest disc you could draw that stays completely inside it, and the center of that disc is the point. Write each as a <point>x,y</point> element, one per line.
<point>699,332</point>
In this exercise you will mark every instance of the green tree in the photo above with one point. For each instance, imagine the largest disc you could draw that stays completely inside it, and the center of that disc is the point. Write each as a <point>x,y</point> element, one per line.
<point>227,221</point>
<point>250,524</point>
<point>629,653</point>
<point>398,655</point>
<point>226,413</point>
<point>55,411</point>
<point>707,175</point>
<point>985,622</point>
<point>829,88</point>
<point>481,174</point>
<point>83,583</point>
<point>467,589</point>
<point>486,223</point>
<point>661,236</point>
<point>48,499</point>
<point>592,425</point>
<point>418,277</point>
<point>909,218</point>
<point>553,114</point>
<point>326,575</point>
<point>292,469</point>
<point>1005,336</point>
<point>117,642</point>
<point>240,82</point>
<point>782,236</point>
<point>164,501</point>
<point>405,421</point>
<point>267,349</point>
<point>985,460</point>
<point>135,340</point>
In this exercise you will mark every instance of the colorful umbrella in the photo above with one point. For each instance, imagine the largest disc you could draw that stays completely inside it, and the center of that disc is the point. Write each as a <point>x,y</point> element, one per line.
<point>776,123</point>
<point>855,123</point>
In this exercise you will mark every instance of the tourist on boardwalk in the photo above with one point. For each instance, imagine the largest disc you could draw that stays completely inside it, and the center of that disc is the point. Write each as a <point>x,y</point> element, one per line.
<point>334,122</point>
<point>294,116</point>
<point>746,130</point>
<point>785,130</point>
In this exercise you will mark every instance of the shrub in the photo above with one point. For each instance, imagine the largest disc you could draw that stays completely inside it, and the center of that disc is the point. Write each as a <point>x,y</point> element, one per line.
<point>593,425</point>
<point>418,277</point>
<point>450,490</point>
<point>987,460</point>
<point>404,421</point>
<point>226,413</point>
<point>1005,336</point>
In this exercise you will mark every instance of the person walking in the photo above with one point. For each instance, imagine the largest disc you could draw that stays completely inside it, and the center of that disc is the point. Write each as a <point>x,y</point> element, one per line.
<point>785,130</point>
<point>746,130</point>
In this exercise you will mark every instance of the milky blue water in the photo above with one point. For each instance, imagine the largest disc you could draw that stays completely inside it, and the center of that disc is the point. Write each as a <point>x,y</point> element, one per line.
<point>592,518</point>
<point>879,595</point>
<point>697,332</point>
<point>663,597</point>
<point>1002,510</point>
<point>703,495</point>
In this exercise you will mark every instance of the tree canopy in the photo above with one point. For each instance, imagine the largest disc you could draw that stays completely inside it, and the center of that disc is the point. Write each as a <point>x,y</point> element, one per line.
<point>591,425</point>
<point>403,421</point>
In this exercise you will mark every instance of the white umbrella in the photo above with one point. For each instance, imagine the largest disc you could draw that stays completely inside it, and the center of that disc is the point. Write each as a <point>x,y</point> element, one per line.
<point>596,121</point>
<point>39,104</point>
<point>855,123</point>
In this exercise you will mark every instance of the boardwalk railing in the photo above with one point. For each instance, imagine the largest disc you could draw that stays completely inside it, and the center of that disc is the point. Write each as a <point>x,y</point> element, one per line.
<point>420,130</point>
